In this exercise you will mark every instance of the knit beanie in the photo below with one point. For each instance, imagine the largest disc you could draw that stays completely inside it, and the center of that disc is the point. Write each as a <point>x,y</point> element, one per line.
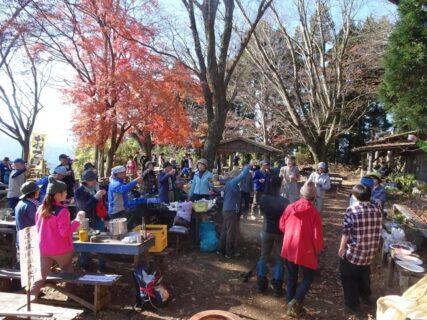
<point>55,186</point>
<point>308,190</point>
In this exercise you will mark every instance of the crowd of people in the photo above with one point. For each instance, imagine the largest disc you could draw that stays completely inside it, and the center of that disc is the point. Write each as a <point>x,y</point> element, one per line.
<point>292,216</point>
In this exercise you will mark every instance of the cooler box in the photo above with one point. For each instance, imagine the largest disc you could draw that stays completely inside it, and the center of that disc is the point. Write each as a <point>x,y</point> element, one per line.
<point>160,233</point>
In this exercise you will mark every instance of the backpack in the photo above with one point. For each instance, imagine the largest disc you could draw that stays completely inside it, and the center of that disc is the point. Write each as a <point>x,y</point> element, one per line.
<point>150,292</point>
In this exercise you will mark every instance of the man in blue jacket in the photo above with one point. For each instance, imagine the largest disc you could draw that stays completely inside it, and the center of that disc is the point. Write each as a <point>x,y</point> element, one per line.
<point>118,192</point>
<point>167,183</point>
<point>230,211</point>
<point>260,180</point>
<point>59,174</point>
<point>87,200</point>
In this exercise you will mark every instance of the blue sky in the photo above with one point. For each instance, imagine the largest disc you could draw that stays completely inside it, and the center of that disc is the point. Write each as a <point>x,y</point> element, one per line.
<point>55,119</point>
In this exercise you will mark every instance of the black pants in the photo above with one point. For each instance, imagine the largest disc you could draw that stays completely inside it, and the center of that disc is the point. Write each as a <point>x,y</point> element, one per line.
<point>228,233</point>
<point>356,282</point>
<point>245,198</point>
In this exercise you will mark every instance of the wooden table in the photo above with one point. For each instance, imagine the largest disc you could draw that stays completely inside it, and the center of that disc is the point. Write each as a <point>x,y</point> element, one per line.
<point>112,246</point>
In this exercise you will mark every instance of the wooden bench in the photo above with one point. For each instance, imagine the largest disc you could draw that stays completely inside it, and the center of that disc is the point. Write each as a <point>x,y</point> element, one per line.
<point>101,282</point>
<point>336,180</point>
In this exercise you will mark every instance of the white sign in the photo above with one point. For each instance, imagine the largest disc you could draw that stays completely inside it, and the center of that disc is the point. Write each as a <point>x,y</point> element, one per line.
<point>29,256</point>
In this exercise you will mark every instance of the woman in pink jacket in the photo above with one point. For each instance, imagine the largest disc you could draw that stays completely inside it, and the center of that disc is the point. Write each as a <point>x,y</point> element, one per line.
<point>55,232</point>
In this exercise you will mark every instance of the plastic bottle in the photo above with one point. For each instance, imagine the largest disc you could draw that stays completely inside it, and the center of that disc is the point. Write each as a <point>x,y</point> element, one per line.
<point>143,229</point>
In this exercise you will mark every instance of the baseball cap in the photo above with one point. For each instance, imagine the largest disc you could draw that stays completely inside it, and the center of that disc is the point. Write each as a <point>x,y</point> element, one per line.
<point>19,160</point>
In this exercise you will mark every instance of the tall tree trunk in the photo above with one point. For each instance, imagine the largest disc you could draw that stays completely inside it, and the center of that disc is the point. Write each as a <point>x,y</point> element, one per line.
<point>96,157</point>
<point>214,136</point>
<point>25,144</point>
<point>144,141</point>
<point>319,151</point>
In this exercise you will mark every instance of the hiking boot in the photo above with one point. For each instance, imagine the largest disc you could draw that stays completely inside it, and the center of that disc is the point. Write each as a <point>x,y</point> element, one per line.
<point>293,309</point>
<point>276,285</point>
<point>262,284</point>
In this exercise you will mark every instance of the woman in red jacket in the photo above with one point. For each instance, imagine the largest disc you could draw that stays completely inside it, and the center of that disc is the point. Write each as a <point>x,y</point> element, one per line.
<point>303,240</point>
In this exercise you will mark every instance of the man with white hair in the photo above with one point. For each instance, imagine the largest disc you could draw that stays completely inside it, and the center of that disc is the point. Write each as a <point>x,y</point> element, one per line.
<point>322,182</point>
<point>302,242</point>
<point>118,192</point>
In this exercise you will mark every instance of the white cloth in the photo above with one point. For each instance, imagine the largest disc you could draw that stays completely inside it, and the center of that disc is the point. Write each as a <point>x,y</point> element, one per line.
<point>184,210</point>
<point>116,170</point>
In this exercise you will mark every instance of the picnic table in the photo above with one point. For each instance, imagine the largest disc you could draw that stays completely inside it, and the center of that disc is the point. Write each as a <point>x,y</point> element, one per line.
<point>113,246</point>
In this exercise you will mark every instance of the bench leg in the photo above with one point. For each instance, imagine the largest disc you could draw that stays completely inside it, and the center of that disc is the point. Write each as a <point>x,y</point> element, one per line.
<point>102,297</point>
<point>72,296</point>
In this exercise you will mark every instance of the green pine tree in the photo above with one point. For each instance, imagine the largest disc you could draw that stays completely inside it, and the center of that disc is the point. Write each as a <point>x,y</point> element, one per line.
<point>404,84</point>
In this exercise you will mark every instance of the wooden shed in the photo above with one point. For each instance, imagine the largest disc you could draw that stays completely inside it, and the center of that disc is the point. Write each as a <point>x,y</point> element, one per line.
<point>245,145</point>
<point>400,153</point>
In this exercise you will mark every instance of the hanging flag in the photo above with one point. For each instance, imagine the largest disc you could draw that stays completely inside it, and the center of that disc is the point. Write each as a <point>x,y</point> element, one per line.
<point>37,150</point>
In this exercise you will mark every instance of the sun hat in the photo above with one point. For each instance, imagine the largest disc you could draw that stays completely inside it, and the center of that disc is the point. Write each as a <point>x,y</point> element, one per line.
<point>374,174</point>
<point>322,165</point>
<point>89,175</point>
<point>27,188</point>
<point>264,162</point>
<point>63,156</point>
<point>61,170</point>
<point>203,161</point>
<point>55,186</point>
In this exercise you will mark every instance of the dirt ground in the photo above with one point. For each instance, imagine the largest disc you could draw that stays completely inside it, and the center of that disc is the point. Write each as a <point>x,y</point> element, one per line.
<point>201,281</point>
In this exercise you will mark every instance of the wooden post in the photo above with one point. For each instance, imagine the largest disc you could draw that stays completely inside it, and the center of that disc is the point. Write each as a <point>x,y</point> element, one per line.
<point>370,155</point>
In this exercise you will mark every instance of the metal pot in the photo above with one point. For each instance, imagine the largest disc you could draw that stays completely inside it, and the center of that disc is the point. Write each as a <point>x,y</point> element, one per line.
<point>118,227</point>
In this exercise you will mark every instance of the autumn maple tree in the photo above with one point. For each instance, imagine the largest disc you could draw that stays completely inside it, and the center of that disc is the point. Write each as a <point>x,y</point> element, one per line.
<point>121,87</point>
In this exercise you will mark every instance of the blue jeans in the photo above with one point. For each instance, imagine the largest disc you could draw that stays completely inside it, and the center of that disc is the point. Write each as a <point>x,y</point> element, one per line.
<point>270,244</point>
<point>12,203</point>
<point>294,290</point>
<point>84,256</point>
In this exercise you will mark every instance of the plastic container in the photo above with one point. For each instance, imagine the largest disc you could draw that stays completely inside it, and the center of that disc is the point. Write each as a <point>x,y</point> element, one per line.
<point>160,233</point>
<point>200,206</point>
<point>83,235</point>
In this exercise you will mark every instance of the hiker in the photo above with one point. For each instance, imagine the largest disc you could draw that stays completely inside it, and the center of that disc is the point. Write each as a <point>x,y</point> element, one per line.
<point>16,180</point>
<point>323,183</point>
<point>59,174</point>
<point>131,167</point>
<point>272,206</point>
<point>118,190</point>
<point>359,244</point>
<point>149,176</point>
<point>290,175</point>
<point>260,180</point>
<point>91,201</point>
<point>55,232</point>
<point>202,183</point>
<point>167,183</point>
<point>69,178</point>
<point>302,242</point>
<point>378,195</point>
<point>25,210</point>
<point>230,212</point>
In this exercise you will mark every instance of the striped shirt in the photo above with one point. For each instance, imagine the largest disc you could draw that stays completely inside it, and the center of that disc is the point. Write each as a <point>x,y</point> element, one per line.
<point>362,224</point>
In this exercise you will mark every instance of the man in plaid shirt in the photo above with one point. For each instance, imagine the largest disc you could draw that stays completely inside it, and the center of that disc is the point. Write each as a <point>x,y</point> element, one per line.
<point>359,244</point>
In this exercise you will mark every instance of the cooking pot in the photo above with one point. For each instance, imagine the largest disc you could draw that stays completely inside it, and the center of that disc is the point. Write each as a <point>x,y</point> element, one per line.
<point>118,227</point>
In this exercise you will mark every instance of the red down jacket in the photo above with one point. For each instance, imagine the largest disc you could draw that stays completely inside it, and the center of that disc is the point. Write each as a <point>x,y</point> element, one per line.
<point>303,239</point>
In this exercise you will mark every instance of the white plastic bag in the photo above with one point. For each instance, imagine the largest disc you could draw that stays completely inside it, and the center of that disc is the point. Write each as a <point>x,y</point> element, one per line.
<point>411,305</point>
